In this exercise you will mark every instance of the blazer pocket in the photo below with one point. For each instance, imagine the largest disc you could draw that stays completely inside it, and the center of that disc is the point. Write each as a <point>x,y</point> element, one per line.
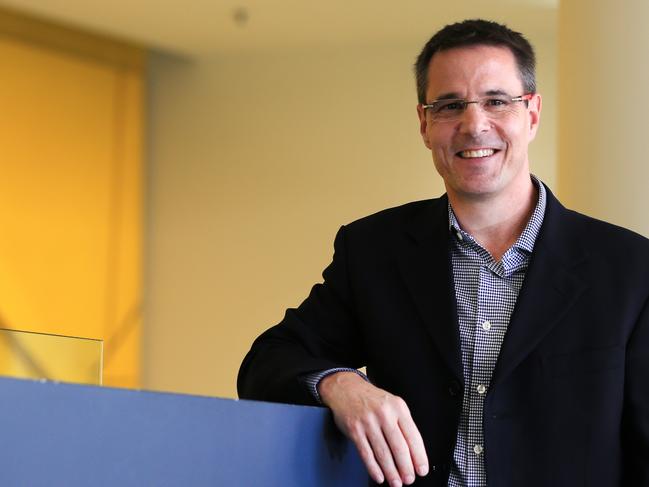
<point>585,361</point>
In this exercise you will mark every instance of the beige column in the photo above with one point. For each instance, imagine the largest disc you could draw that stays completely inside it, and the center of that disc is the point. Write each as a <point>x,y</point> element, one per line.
<point>603,163</point>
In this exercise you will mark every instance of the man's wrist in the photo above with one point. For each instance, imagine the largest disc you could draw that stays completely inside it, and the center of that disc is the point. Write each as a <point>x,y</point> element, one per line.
<point>313,381</point>
<point>328,384</point>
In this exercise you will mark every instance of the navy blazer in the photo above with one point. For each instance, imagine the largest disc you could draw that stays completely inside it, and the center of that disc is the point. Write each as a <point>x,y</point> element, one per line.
<point>568,403</point>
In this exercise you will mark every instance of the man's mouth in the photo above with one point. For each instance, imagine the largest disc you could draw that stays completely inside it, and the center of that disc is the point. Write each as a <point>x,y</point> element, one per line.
<point>476,153</point>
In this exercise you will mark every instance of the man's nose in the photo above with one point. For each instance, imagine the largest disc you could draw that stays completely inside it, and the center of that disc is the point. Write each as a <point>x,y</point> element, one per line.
<point>474,120</point>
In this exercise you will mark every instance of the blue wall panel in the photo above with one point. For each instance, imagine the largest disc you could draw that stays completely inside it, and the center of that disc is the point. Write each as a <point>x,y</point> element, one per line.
<point>72,435</point>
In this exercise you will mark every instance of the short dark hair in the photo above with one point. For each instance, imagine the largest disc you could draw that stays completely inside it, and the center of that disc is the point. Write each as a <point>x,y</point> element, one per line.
<point>477,32</point>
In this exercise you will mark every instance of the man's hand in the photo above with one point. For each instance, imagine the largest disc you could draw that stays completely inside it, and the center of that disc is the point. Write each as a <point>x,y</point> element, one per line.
<point>380,425</point>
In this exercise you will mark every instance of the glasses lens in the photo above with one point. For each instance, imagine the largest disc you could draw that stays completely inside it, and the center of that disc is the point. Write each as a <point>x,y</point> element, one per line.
<point>447,109</point>
<point>497,105</point>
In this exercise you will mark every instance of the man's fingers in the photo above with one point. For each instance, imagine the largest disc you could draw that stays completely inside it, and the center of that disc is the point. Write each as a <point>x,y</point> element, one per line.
<point>367,455</point>
<point>400,452</point>
<point>383,456</point>
<point>415,444</point>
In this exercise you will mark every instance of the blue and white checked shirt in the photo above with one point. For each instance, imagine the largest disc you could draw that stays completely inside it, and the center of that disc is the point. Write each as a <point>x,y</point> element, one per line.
<point>486,292</point>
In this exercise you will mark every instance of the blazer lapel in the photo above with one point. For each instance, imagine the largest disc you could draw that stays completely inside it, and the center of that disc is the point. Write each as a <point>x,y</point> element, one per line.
<point>551,287</point>
<point>426,269</point>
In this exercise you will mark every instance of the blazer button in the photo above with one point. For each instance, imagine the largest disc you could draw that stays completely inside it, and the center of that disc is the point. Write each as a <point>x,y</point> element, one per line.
<point>454,388</point>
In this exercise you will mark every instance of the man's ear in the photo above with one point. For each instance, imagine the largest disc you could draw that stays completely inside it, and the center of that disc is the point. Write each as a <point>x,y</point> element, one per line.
<point>423,125</point>
<point>534,110</point>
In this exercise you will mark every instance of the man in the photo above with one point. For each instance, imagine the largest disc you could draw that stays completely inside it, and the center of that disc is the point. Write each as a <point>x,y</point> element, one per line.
<point>506,338</point>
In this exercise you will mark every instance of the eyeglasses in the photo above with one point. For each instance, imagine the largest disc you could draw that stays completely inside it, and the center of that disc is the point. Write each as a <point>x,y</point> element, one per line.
<point>445,110</point>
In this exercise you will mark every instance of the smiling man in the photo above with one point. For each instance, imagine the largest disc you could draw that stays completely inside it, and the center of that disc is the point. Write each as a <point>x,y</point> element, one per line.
<point>506,339</point>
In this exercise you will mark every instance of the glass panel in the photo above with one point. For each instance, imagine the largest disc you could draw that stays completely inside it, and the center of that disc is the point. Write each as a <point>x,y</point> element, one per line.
<point>32,355</point>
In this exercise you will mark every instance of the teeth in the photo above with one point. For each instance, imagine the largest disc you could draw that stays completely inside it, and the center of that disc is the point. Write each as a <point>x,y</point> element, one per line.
<point>477,153</point>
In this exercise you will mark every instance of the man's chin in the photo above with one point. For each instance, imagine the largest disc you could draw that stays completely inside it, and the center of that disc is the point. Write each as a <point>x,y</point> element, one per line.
<point>475,188</point>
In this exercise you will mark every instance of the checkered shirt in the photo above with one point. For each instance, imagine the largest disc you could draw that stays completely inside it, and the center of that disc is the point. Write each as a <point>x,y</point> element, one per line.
<point>486,293</point>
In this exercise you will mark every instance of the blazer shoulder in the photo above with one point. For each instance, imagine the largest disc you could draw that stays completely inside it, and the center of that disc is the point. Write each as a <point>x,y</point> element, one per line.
<point>601,234</point>
<point>398,216</point>
<point>604,229</point>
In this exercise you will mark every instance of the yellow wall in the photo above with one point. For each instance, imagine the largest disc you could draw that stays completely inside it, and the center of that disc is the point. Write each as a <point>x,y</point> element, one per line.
<point>70,192</point>
<point>256,159</point>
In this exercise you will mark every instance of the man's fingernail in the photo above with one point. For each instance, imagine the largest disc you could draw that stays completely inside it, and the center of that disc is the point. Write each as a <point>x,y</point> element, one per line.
<point>422,470</point>
<point>410,478</point>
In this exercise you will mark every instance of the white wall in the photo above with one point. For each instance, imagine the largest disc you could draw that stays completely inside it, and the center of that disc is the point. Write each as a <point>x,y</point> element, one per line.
<point>604,170</point>
<point>256,159</point>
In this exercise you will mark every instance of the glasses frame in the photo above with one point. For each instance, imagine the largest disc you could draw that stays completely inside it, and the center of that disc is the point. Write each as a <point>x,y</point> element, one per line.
<point>465,103</point>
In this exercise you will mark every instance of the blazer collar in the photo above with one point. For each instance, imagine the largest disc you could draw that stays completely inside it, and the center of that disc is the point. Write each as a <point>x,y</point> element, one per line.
<point>426,269</point>
<point>551,287</point>
<point>552,284</point>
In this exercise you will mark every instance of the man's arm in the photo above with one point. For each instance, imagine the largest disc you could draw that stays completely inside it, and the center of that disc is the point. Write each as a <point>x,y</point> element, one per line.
<point>323,333</point>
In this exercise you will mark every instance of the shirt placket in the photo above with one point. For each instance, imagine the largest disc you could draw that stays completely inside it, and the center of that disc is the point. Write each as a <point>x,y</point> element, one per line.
<point>483,364</point>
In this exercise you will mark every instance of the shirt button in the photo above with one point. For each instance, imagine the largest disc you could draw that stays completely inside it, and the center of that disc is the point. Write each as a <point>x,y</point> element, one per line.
<point>486,326</point>
<point>459,235</point>
<point>477,449</point>
<point>481,389</point>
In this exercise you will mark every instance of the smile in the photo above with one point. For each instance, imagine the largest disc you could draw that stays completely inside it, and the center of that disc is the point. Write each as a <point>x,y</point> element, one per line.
<point>476,153</point>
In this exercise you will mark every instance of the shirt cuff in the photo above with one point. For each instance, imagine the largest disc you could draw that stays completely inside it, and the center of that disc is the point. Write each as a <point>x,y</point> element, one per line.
<point>313,380</point>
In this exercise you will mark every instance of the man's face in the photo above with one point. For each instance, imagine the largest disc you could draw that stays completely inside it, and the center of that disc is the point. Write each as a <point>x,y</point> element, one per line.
<point>478,154</point>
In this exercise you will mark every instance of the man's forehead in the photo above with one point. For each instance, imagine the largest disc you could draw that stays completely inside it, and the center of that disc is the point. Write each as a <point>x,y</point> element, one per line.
<point>483,69</point>
<point>483,51</point>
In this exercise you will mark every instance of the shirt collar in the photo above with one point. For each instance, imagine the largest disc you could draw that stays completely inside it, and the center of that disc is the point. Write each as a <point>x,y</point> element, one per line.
<point>526,239</point>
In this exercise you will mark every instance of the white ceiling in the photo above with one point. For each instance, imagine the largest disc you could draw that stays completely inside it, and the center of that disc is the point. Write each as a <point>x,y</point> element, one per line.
<point>198,26</point>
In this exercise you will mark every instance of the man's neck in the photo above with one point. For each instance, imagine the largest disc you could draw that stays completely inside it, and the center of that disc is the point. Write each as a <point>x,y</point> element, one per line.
<point>496,222</point>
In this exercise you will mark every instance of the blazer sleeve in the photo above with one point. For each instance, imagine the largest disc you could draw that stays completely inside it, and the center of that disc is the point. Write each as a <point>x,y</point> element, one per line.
<point>322,333</point>
<point>635,426</point>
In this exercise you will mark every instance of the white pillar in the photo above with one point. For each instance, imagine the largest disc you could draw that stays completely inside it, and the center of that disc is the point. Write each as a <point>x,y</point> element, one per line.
<point>603,163</point>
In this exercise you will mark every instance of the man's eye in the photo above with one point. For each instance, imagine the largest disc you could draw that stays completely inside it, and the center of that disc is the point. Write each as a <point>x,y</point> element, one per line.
<point>496,102</point>
<point>451,106</point>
